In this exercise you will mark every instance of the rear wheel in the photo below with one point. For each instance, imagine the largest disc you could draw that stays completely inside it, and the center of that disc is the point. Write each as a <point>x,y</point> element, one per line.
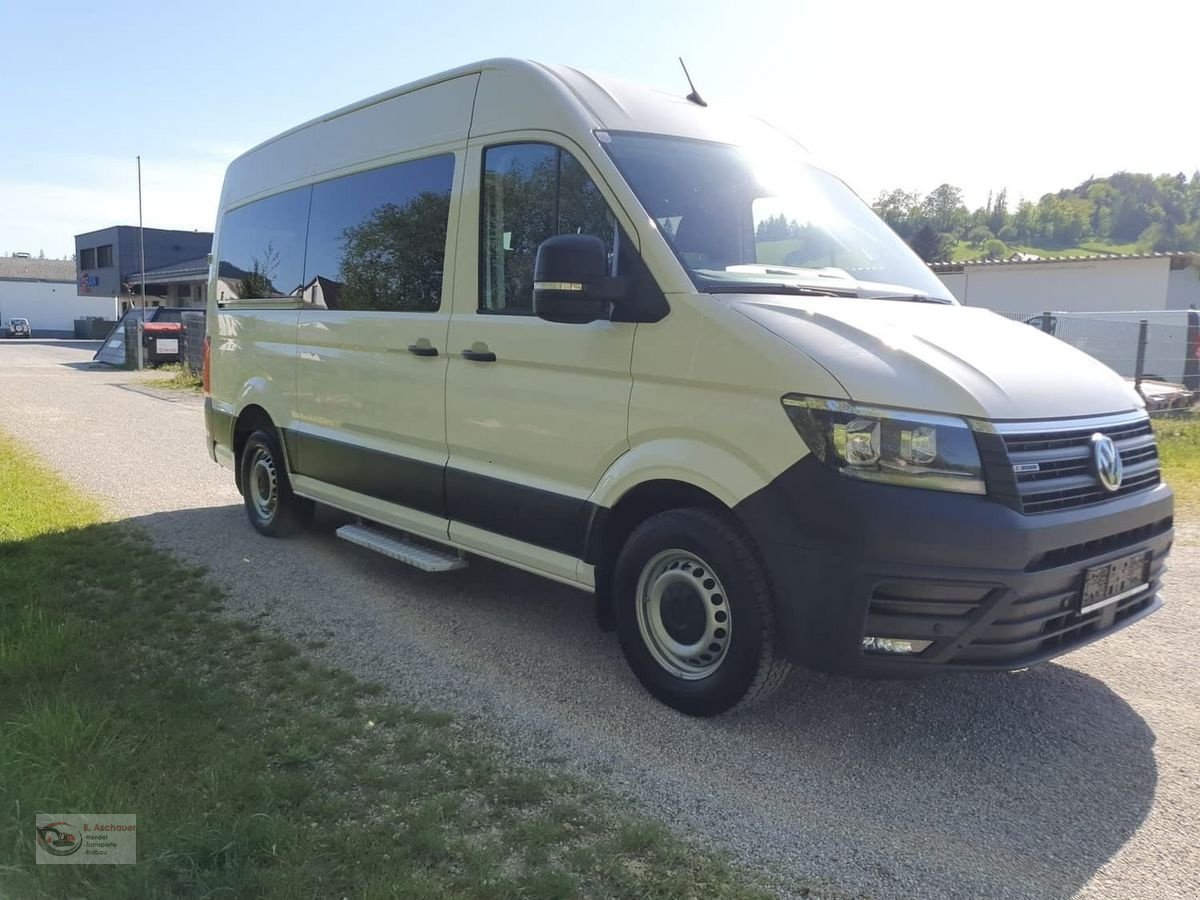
<point>270,504</point>
<point>694,615</point>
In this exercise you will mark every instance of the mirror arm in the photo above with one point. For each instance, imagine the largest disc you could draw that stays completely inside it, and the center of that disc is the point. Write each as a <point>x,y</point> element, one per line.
<point>613,288</point>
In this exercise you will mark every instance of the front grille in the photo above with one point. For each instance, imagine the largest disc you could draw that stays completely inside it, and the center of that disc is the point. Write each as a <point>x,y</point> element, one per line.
<point>1062,556</point>
<point>1057,459</point>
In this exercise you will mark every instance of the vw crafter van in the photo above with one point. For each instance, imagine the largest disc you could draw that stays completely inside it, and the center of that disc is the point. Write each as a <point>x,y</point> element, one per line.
<point>648,348</point>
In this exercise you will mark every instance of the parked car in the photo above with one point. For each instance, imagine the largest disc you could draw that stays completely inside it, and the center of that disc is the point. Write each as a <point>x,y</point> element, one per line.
<point>539,323</point>
<point>19,328</point>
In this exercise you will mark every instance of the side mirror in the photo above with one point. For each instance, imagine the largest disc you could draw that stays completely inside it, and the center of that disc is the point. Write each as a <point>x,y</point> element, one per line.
<point>571,282</point>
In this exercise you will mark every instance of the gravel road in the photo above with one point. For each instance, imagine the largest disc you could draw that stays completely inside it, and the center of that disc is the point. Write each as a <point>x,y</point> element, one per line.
<point>1079,778</point>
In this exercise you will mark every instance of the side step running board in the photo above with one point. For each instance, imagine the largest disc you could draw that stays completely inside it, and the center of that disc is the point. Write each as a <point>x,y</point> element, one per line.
<point>403,548</point>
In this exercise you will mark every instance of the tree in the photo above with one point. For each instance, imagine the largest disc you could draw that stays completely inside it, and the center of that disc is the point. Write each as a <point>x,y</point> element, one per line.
<point>257,283</point>
<point>901,210</point>
<point>980,235</point>
<point>773,228</point>
<point>998,212</point>
<point>1157,212</point>
<point>393,260</point>
<point>932,246</point>
<point>995,249</point>
<point>944,209</point>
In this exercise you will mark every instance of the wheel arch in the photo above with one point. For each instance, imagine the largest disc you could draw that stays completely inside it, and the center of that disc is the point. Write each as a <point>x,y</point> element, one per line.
<point>252,418</point>
<point>670,472</point>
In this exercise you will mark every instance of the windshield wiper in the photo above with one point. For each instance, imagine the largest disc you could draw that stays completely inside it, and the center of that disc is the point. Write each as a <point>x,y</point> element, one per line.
<point>909,298</point>
<point>760,288</point>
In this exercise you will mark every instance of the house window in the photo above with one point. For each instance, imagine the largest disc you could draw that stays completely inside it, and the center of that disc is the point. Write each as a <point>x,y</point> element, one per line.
<point>104,257</point>
<point>87,258</point>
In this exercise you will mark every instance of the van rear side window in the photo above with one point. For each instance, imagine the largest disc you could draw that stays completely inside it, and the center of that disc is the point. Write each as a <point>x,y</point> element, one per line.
<point>377,239</point>
<point>262,248</point>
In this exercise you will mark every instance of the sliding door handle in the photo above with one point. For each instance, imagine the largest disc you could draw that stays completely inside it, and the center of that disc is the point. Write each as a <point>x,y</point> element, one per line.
<point>419,349</point>
<point>479,353</point>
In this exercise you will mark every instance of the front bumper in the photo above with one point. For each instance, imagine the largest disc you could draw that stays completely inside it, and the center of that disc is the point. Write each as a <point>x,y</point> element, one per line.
<point>989,587</point>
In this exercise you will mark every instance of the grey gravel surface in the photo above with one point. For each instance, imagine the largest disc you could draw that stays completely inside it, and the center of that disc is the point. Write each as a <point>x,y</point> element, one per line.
<point>1077,778</point>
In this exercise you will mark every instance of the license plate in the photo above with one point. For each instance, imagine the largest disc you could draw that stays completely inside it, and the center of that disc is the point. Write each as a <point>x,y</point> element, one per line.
<point>1114,581</point>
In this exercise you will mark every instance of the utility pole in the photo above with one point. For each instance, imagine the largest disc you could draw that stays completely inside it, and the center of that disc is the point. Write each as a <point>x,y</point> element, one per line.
<point>142,246</point>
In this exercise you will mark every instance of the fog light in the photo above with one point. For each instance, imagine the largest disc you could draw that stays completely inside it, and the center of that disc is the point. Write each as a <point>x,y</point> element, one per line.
<point>893,645</point>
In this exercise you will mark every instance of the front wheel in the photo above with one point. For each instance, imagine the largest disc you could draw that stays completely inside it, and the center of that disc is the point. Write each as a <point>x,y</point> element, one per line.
<point>694,615</point>
<point>270,504</point>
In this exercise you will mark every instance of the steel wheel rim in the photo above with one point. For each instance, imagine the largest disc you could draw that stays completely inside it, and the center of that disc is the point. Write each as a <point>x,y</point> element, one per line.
<point>263,484</point>
<point>663,579</point>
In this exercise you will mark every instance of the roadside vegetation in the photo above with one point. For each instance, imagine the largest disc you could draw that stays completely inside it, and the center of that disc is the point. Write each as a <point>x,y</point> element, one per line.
<point>1126,212</point>
<point>254,773</point>
<point>176,377</point>
<point>1179,448</point>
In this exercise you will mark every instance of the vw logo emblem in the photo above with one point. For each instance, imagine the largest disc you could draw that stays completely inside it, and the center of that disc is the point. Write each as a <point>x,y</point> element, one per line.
<point>1107,461</point>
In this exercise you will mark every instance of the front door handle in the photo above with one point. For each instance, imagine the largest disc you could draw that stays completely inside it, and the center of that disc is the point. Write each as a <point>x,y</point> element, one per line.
<point>479,352</point>
<point>422,348</point>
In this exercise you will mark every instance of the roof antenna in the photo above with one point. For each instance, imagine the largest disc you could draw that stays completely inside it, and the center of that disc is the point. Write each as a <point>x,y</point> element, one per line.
<point>694,96</point>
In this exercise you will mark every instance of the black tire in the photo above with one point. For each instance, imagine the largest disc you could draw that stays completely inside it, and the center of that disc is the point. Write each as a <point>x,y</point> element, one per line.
<point>267,491</point>
<point>706,574</point>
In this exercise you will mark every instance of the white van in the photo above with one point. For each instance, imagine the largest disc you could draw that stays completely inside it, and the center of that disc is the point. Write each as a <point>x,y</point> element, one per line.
<point>645,347</point>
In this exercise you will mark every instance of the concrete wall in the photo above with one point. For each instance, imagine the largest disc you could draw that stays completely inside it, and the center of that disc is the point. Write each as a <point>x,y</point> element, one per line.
<point>50,306</point>
<point>1095,285</point>
<point>1183,288</point>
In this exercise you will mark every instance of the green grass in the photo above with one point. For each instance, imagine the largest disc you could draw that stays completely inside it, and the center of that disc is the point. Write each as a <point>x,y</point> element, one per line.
<point>252,771</point>
<point>1179,448</point>
<point>175,377</point>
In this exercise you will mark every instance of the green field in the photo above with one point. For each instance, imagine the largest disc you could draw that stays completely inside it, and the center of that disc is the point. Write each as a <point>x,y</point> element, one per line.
<point>1179,448</point>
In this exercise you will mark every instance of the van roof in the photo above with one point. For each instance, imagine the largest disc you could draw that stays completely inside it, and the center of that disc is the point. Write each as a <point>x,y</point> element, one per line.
<point>552,97</point>
<point>610,99</point>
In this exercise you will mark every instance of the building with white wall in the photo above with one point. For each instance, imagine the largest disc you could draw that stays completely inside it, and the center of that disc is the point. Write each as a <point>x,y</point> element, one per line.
<point>1077,283</point>
<point>44,292</point>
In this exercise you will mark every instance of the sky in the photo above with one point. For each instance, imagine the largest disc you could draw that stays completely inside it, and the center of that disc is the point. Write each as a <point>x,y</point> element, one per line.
<point>1027,96</point>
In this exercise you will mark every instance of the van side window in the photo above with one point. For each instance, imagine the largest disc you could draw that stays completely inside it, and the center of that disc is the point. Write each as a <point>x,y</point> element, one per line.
<point>261,253</point>
<point>377,239</point>
<point>532,192</point>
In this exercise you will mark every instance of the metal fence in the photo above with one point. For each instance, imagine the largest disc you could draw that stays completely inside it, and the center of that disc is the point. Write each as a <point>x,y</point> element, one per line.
<point>191,347</point>
<point>1159,351</point>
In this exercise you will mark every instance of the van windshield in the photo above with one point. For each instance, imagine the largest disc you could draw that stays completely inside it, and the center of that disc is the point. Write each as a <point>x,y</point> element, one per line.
<point>744,218</point>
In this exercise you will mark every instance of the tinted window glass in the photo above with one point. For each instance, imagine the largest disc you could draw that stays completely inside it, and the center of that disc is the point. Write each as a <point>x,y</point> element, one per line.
<point>760,214</point>
<point>262,247</point>
<point>532,192</point>
<point>104,257</point>
<point>377,240</point>
<point>87,258</point>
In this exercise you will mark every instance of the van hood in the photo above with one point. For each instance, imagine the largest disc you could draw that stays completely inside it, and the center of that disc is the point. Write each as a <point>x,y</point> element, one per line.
<point>942,358</point>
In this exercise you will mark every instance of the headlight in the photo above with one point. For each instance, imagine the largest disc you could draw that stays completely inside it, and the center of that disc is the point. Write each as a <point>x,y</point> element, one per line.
<point>894,446</point>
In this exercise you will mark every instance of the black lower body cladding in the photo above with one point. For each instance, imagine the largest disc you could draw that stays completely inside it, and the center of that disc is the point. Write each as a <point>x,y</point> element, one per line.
<point>988,587</point>
<point>218,424</point>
